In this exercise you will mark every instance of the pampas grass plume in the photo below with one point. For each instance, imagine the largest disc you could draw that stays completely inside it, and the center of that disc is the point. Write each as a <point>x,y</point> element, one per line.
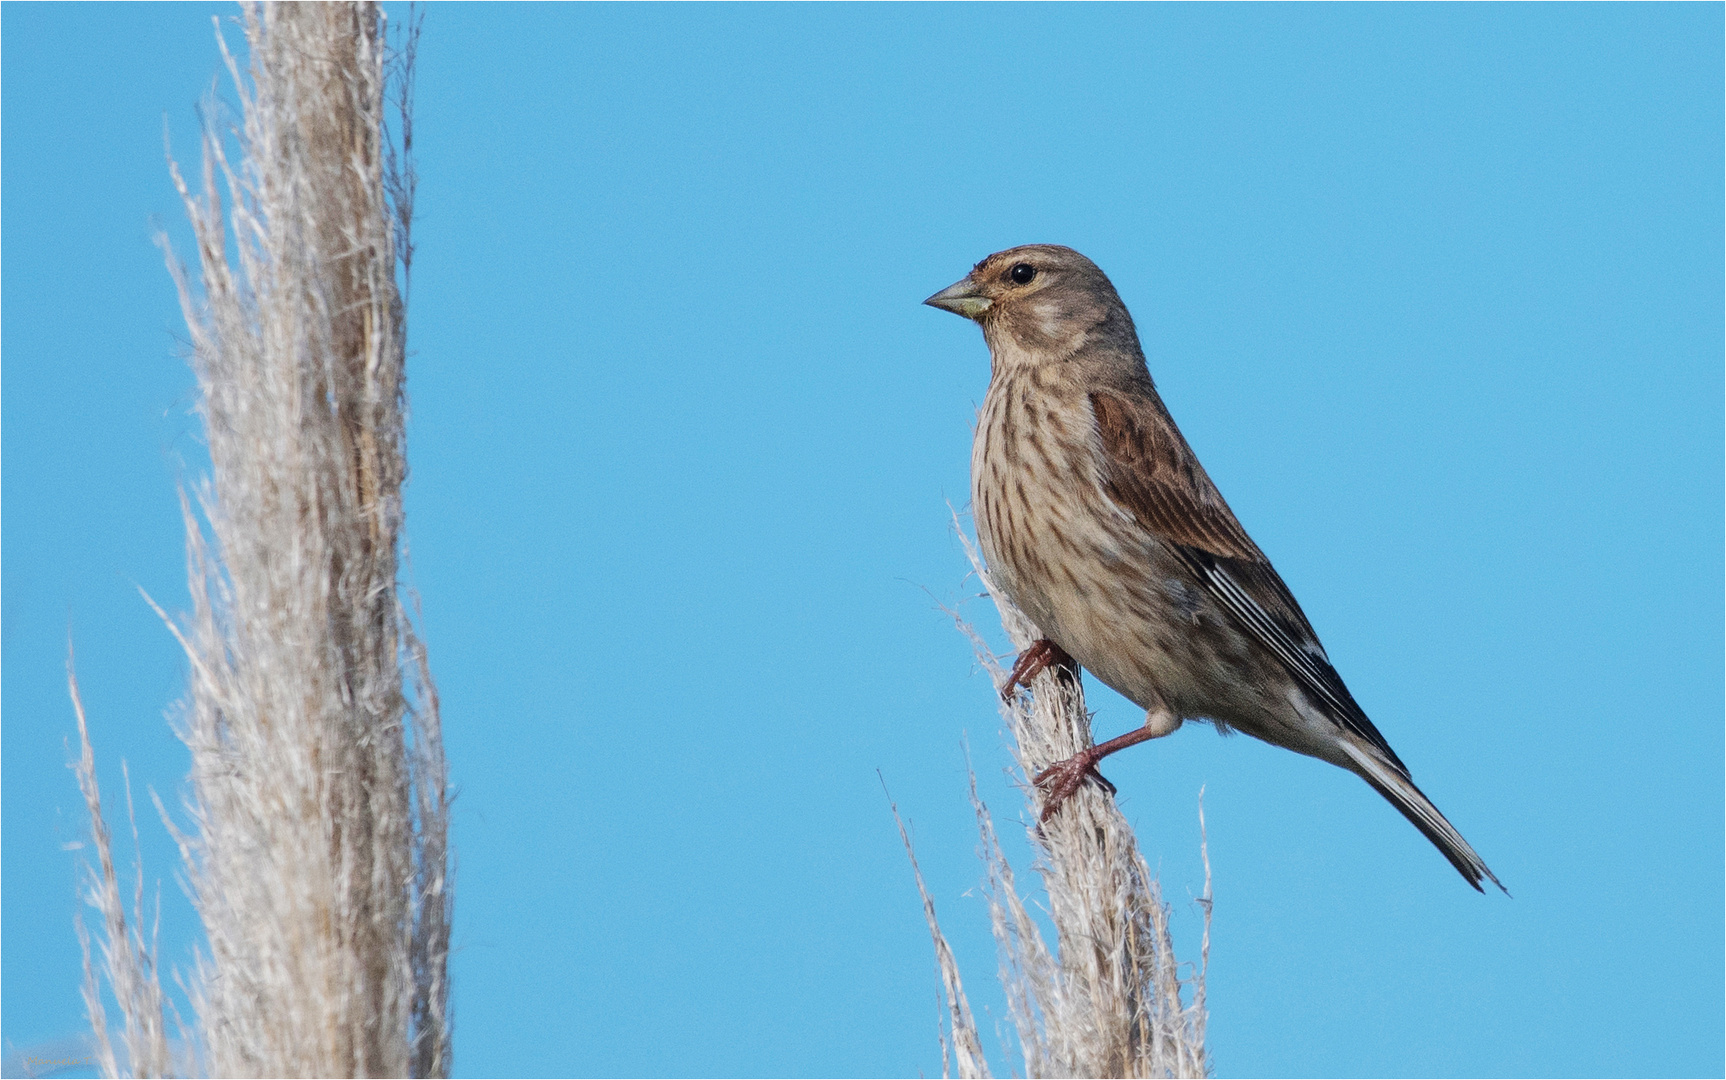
<point>317,852</point>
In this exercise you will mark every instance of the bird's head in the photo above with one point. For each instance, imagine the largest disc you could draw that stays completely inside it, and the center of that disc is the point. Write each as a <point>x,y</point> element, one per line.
<point>1042,298</point>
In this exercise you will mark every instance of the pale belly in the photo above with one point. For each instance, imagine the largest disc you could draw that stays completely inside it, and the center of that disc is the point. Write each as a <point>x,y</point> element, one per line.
<point>1073,563</point>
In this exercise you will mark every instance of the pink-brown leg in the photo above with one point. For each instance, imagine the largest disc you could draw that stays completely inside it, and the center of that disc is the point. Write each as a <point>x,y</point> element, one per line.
<point>1041,656</point>
<point>1064,777</point>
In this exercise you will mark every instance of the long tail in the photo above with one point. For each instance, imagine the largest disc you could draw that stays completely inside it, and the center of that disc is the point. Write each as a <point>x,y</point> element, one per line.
<point>1417,808</point>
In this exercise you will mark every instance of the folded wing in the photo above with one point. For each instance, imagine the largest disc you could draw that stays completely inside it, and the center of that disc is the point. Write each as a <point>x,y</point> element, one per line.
<point>1149,470</point>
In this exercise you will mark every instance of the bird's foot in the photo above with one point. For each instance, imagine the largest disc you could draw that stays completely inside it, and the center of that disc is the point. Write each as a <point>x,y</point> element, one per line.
<point>1041,656</point>
<point>1064,777</point>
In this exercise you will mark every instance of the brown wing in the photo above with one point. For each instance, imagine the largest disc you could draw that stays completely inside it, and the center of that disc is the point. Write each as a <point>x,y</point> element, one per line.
<point>1150,471</point>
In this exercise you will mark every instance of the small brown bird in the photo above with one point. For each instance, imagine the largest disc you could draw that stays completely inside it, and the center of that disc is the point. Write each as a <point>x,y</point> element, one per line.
<point>1101,525</point>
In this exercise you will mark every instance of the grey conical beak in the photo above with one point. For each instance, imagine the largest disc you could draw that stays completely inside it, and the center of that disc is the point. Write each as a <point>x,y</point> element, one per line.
<point>961,298</point>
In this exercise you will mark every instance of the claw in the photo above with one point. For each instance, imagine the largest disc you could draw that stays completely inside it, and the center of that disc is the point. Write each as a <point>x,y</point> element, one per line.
<point>1067,776</point>
<point>1041,656</point>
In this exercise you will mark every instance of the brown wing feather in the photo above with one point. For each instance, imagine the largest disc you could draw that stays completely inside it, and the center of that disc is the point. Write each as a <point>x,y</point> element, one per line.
<point>1150,471</point>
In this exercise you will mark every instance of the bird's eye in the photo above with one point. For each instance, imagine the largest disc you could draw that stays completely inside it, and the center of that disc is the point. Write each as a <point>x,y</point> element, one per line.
<point>1022,273</point>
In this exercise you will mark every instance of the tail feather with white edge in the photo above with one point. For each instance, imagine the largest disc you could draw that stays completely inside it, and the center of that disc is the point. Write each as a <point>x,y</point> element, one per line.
<point>1388,781</point>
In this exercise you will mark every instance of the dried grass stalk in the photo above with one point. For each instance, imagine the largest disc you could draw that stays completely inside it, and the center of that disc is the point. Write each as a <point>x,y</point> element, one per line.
<point>1109,999</point>
<point>127,959</point>
<point>318,852</point>
<point>963,1047</point>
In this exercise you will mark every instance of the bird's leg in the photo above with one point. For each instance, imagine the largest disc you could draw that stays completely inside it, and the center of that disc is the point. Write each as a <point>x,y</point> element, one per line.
<point>1042,655</point>
<point>1064,777</point>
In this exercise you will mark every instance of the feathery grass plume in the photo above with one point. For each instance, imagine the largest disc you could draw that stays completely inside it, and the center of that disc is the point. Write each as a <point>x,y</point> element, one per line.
<point>1108,1000</point>
<point>318,781</point>
<point>318,853</point>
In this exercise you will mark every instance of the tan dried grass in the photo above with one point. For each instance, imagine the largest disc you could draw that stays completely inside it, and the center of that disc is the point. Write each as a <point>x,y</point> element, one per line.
<point>1108,999</point>
<point>318,852</point>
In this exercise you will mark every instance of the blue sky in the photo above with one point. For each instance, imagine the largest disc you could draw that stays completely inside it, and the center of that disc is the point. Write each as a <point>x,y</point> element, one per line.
<point>1434,291</point>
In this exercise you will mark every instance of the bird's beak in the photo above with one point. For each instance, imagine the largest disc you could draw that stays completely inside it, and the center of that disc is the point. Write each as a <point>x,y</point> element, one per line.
<point>963,297</point>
